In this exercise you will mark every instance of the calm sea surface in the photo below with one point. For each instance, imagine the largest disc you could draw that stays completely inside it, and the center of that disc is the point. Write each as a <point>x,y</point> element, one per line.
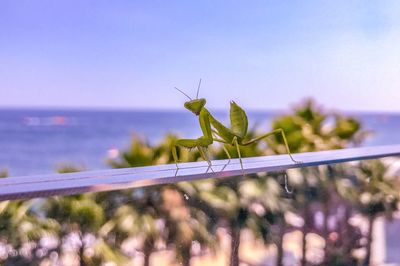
<point>39,141</point>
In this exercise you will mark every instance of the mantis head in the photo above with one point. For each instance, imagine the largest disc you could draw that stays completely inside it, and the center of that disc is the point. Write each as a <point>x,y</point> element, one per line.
<point>195,105</point>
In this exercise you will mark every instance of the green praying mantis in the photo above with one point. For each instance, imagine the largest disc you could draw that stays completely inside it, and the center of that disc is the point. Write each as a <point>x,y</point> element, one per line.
<point>213,130</point>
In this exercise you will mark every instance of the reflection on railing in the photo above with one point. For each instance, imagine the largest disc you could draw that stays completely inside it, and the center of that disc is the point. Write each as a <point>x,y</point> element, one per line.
<point>322,214</point>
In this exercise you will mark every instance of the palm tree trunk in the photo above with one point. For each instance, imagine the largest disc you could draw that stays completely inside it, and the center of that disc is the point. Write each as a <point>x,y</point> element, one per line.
<point>235,243</point>
<point>325,231</point>
<point>147,249</point>
<point>279,243</point>
<point>304,246</point>
<point>371,221</point>
<point>347,233</point>
<point>81,251</point>
<point>185,252</point>
<point>305,230</point>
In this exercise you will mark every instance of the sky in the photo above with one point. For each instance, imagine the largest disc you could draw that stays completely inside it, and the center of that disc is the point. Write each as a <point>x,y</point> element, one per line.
<point>262,54</point>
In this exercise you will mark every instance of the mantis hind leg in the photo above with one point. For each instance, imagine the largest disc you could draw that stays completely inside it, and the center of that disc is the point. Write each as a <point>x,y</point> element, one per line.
<point>236,144</point>
<point>229,157</point>
<point>276,131</point>
<point>217,137</point>
<point>287,146</point>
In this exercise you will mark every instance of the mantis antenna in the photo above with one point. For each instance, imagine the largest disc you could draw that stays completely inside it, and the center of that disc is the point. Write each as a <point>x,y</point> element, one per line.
<point>198,89</point>
<point>183,93</point>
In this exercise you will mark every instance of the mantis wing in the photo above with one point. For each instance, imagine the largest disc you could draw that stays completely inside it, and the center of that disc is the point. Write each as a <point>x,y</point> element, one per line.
<point>239,122</point>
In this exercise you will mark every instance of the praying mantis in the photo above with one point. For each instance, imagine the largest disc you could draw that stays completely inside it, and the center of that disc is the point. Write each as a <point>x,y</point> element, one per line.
<point>213,130</point>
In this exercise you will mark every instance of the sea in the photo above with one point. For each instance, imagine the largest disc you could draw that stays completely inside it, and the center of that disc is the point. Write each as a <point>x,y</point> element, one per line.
<point>34,141</point>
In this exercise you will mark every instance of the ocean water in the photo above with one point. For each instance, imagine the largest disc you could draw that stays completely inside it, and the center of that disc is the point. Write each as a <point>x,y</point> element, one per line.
<point>39,141</point>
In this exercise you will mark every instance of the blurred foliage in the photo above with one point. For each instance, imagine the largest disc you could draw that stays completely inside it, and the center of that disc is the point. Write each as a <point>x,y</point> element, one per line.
<point>310,128</point>
<point>186,218</point>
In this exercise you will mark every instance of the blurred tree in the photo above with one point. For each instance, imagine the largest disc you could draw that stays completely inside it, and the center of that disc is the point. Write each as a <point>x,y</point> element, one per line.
<point>81,217</point>
<point>140,219</point>
<point>233,199</point>
<point>378,195</point>
<point>21,229</point>
<point>310,128</point>
<point>162,205</point>
<point>263,196</point>
<point>185,224</point>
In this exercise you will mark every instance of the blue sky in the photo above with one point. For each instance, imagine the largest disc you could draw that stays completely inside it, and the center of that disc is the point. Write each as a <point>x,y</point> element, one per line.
<point>262,54</point>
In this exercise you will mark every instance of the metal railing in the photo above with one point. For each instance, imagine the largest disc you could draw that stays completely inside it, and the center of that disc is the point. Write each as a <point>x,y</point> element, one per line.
<point>25,187</point>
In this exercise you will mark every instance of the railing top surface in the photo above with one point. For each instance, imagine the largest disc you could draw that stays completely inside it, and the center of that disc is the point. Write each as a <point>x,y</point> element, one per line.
<point>24,187</point>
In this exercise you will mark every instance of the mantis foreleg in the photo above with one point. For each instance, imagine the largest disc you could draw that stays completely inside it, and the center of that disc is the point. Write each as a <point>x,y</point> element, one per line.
<point>276,131</point>
<point>191,143</point>
<point>200,143</point>
<point>175,156</point>
<point>204,155</point>
<point>234,143</point>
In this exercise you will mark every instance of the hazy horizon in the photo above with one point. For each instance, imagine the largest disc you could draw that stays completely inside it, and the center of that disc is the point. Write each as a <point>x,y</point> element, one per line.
<point>179,110</point>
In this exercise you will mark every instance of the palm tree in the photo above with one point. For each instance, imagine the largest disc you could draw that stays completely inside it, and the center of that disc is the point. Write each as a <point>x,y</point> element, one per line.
<point>136,213</point>
<point>226,196</point>
<point>77,216</point>
<point>305,196</point>
<point>267,207</point>
<point>81,217</point>
<point>226,200</point>
<point>151,207</point>
<point>307,129</point>
<point>186,218</point>
<point>21,226</point>
<point>140,222</point>
<point>378,196</point>
<point>185,224</point>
